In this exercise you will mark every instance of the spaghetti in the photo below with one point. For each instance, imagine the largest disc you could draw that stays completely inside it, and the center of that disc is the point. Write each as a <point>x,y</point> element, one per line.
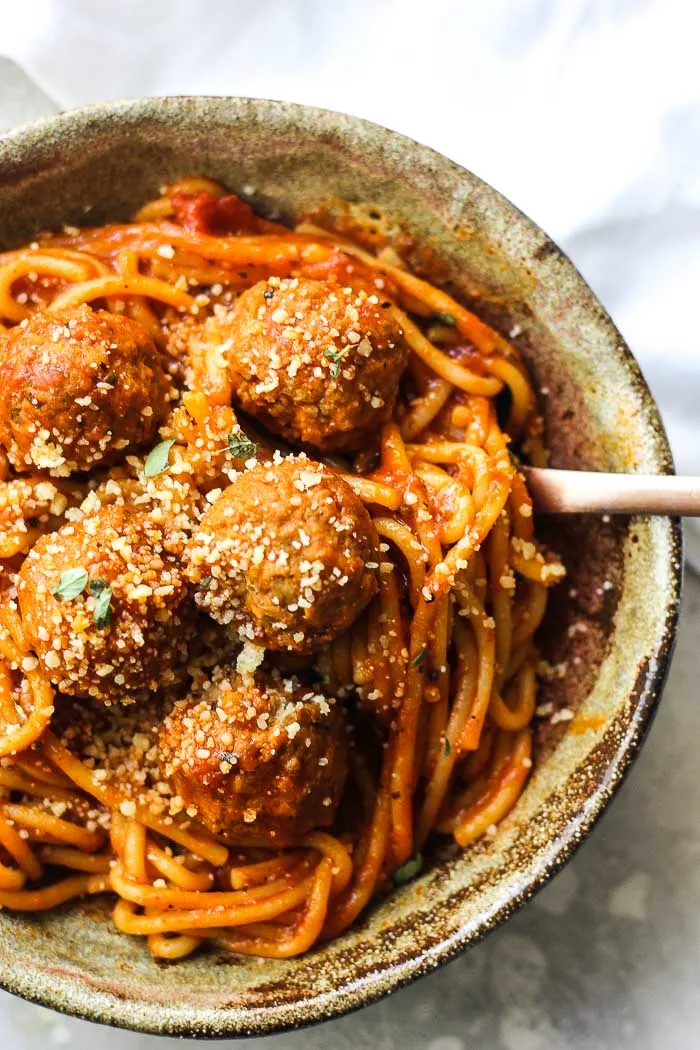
<point>438,671</point>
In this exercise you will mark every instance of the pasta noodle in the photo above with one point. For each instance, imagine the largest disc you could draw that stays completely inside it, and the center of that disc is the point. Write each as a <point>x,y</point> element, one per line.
<point>443,658</point>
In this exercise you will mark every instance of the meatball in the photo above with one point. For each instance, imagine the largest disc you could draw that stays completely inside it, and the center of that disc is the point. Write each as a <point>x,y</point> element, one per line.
<point>261,759</point>
<point>79,389</point>
<point>287,555</point>
<point>126,631</point>
<point>318,363</point>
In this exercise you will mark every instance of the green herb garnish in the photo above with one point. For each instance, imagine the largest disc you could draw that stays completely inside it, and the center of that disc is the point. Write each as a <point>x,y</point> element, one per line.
<point>447,748</point>
<point>241,447</point>
<point>335,357</point>
<point>158,457</point>
<point>418,660</point>
<point>442,317</point>
<point>102,613</point>
<point>409,870</point>
<point>205,584</point>
<point>71,584</point>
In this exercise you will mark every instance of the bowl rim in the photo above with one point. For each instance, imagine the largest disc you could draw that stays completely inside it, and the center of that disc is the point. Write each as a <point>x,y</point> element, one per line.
<point>104,1008</point>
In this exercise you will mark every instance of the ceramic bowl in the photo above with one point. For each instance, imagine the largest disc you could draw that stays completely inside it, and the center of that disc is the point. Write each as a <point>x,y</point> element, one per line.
<point>612,622</point>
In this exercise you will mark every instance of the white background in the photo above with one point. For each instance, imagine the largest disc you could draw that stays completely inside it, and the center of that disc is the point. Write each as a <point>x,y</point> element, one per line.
<point>586,113</point>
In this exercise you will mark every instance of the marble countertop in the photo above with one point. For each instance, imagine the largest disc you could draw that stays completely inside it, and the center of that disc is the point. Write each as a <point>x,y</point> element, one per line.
<point>607,957</point>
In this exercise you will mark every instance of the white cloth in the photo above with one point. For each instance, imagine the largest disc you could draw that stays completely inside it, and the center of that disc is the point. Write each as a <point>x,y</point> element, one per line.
<point>586,113</point>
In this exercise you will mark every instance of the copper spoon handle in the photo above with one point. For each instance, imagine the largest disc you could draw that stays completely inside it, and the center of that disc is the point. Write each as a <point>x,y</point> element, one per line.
<point>582,491</point>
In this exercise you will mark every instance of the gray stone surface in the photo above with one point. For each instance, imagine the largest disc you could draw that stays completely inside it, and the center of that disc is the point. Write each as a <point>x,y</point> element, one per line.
<point>607,957</point>
<point>21,100</point>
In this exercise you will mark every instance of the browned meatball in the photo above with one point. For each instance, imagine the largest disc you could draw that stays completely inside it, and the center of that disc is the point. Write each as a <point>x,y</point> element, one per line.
<point>127,631</point>
<point>261,759</point>
<point>313,361</point>
<point>287,555</point>
<point>79,388</point>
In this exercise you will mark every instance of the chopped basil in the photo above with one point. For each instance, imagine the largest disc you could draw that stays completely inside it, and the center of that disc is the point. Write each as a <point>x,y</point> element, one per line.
<point>241,447</point>
<point>158,458</point>
<point>102,613</point>
<point>335,357</point>
<point>71,584</point>
<point>409,870</point>
<point>418,660</point>
<point>442,317</point>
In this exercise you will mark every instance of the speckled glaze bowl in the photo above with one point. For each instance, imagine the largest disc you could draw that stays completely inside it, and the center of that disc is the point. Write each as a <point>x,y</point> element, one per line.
<point>612,622</point>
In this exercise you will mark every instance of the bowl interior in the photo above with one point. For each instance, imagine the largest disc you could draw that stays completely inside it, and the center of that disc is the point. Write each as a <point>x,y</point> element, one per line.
<point>614,636</point>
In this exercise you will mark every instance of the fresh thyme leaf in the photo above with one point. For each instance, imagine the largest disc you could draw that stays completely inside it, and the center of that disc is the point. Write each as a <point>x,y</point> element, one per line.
<point>409,870</point>
<point>418,660</point>
<point>335,357</point>
<point>447,748</point>
<point>158,458</point>
<point>71,584</point>
<point>102,613</point>
<point>442,317</point>
<point>241,447</point>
